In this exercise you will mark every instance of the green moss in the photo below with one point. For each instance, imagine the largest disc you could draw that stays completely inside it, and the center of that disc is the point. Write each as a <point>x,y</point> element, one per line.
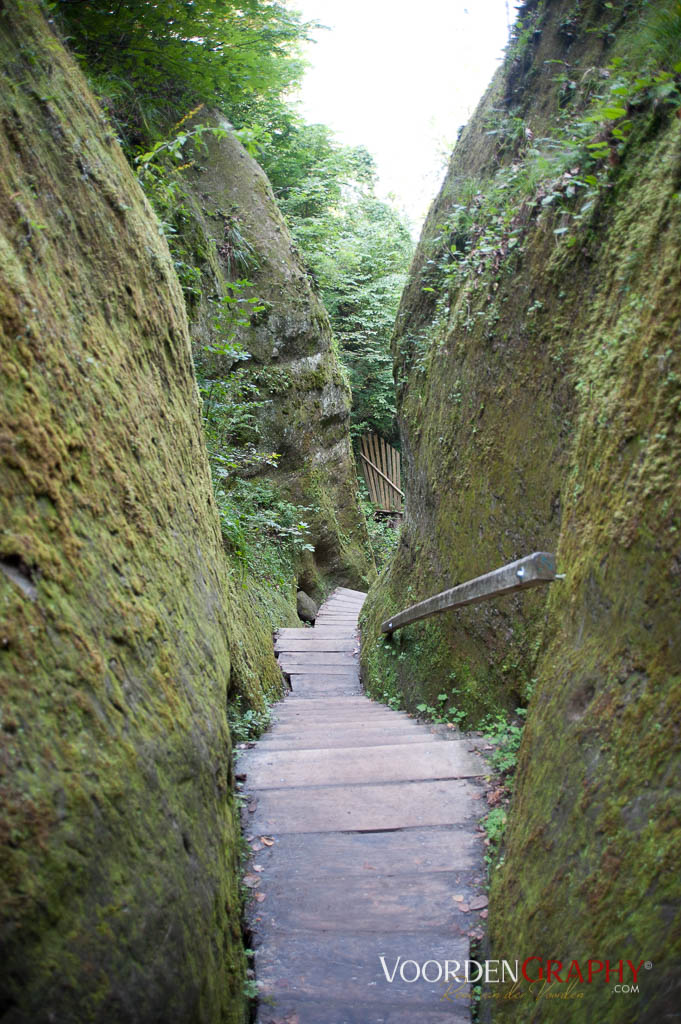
<point>119,844</point>
<point>540,409</point>
<point>304,397</point>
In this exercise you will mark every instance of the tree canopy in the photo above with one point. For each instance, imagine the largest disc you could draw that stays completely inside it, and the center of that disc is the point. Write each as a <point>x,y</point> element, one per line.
<point>358,249</point>
<point>150,57</point>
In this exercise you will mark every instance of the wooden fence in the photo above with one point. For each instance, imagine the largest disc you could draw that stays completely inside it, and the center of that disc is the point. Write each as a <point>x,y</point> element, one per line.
<point>381,468</point>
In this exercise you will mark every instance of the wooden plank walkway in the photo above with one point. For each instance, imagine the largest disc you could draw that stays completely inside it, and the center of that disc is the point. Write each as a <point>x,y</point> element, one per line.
<point>363,824</point>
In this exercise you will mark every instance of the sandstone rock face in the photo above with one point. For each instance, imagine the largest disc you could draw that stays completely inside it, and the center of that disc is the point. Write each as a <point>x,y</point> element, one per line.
<point>538,352</point>
<point>307,609</point>
<point>119,843</point>
<point>304,416</point>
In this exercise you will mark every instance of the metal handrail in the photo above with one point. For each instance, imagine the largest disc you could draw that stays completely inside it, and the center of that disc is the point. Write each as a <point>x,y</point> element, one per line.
<point>532,571</point>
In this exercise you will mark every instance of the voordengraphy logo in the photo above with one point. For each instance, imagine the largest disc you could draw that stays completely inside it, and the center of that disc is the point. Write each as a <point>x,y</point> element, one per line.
<point>623,974</point>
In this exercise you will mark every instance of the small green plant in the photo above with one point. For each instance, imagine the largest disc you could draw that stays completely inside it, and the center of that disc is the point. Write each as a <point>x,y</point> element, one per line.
<point>246,724</point>
<point>393,700</point>
<point>383,535</point>
<point>506,735</point>
<point>234,310</point>
<point>250,988</point>
<point>495,826</point>
<point>445,712</point>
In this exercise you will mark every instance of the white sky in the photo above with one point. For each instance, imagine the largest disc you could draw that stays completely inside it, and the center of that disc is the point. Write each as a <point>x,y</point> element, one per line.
<point>400,77</point>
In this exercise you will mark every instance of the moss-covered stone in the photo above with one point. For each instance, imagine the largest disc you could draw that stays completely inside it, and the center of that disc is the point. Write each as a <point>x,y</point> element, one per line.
<point>540,409</point>
<point>119,896</point>
<point>304,415</point>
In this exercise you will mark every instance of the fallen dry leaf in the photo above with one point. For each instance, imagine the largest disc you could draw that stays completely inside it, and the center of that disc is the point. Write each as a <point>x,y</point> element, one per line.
<point>458,898</point>
<point>267,840</point>
<point>252,881</point>
<point>464,908</point>
<point>483,913</point>
<point>258,867</point>
<point>478,902</point>
<point>259,896</point>
<point>495,796</point>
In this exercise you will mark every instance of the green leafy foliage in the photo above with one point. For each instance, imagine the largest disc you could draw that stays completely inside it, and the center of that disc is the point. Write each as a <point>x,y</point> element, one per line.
<point>160,173</point>
<point>263,530</point>
<point>245,723</point>
<point>494,825</point>
<point>358,250</point>
<point>383,535</point>
<point>506,735</point>
<point>445,712</point>
<point>149,59</point>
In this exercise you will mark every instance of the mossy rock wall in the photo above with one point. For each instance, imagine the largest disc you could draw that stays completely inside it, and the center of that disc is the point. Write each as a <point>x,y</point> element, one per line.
<point>540,405</point>
<point>305,411</point>
<point>119,841</point>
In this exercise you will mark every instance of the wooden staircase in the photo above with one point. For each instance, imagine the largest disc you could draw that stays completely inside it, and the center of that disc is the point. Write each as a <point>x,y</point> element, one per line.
<point>364,827</point>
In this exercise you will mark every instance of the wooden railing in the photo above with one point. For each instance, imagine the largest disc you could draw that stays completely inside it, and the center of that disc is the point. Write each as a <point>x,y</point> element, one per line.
<point>531,571</point>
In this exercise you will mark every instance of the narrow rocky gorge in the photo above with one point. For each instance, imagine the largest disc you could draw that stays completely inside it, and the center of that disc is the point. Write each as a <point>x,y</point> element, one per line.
<point>176,463</point>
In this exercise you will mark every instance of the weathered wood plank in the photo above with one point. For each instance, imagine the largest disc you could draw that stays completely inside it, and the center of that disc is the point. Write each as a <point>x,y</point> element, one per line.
<point>302,667</point>
<point>393,475</point>
<point>340,855</point>
<point>365,808</point>
<point>343,610</point>
<point>320,632</point>
<point>309,741</point>
<point>350,622</point>
<point>369,475</point>
<point>341,606</point>
<point>374,469</point>
<point>532,571</point>
<point>318,658</point>
<point>342,613</point>
<point>347,613</point>
<point>335,766</point>
<point>377,466</point>
<point>318,644</point>
<point>380,467</point>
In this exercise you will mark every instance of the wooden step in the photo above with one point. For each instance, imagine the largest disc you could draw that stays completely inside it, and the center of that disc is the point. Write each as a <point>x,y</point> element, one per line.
<point>340,765</point>
<point>365,808</point>
<point>317,644</point>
